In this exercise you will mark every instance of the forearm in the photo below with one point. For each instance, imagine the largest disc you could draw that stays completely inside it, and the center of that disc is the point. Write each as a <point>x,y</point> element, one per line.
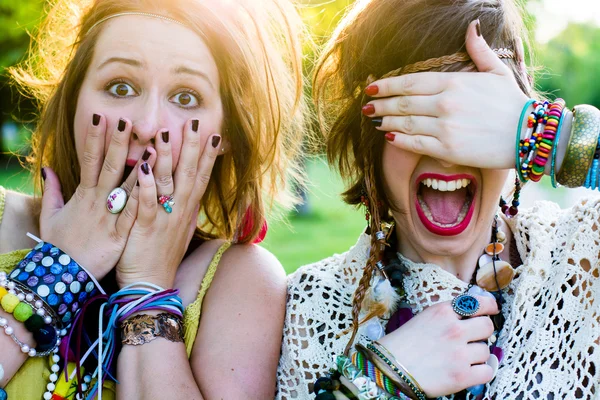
<point>11,356</point>
<point>156,370</point>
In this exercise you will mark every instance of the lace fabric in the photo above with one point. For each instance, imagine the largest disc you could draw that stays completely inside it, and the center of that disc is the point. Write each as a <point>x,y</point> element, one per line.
<point>551,337</point>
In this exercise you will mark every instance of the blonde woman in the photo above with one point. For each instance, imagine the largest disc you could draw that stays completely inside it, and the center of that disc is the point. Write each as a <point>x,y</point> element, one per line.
<point>185,107</point>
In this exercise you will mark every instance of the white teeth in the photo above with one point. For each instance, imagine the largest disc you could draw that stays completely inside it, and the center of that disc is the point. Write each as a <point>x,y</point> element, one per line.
<point>446,186</point>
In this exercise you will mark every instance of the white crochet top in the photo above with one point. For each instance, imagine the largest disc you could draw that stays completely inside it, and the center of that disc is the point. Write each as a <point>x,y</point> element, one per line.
<point>551,338</point>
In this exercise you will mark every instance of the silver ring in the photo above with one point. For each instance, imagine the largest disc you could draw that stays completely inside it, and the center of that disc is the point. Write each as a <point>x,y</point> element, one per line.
<point>116,200</point>
<point>465,305</point>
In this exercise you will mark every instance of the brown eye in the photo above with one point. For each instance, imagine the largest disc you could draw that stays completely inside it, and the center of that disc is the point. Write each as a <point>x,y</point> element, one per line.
<point>185,99</point>
<point>122,90</point>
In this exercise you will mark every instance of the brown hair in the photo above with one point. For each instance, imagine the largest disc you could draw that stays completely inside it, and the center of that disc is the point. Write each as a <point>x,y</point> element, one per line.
<point>258,54</point>
<point>377,37</point>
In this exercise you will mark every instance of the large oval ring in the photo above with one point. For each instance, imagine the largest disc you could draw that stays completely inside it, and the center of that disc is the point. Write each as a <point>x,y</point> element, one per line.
<point>116,200</point>
<point>465,305</point>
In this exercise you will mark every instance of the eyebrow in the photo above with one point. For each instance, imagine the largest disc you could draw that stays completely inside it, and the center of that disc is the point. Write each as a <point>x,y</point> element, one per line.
<point>190,71</point>
<point>123,60</point>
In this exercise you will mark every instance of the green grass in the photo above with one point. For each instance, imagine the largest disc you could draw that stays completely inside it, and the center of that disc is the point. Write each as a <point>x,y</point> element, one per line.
<point>331,226</point>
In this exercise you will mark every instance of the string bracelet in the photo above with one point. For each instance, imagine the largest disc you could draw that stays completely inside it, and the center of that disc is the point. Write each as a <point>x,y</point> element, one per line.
<point>366,388</point>
<point>369,369</point>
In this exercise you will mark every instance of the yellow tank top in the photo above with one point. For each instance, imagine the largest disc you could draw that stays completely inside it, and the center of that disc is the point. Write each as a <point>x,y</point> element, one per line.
<point>29,383</point>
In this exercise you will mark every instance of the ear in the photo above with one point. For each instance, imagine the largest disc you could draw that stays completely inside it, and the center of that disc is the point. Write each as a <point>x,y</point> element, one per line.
<point>225,147</point>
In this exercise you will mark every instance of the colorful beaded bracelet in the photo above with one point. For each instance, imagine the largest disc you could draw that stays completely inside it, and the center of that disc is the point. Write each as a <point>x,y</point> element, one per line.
<point>547,142</point>
<point>529,163</point>
<point>369,369</point>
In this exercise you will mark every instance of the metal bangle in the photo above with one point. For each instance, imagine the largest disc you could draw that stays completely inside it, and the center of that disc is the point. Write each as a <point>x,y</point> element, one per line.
<point>582,144</point>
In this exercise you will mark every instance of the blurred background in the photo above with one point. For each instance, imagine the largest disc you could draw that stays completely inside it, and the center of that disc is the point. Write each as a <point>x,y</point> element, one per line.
<point>565,39</point>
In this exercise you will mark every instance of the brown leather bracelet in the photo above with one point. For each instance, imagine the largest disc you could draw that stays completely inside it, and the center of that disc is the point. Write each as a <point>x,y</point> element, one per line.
<point>143,328</point>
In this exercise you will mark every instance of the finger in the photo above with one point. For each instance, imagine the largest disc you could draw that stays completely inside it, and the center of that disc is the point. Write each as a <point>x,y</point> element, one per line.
<point>417,84</point>
<point>403,105</point>
<point>52,198</point>
<point>163,171</point>
<point>479,328</point>
<point>116,157</point>
<point>207,161</point>
<point>482,55</point>
<point>187,168</point>
<point>147,204</point>
<point>487,306</point>
<point>130,182</point>
<point>128,215</point>
<point>479,352</point>
<point>479,374</point>
<point>427,145</point>
<point>93,152</point>
<point>193,223</point>
<point>409,124</point>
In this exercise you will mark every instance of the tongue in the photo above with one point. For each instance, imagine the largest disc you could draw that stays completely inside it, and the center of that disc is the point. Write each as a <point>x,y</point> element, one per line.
<point>444,206</point>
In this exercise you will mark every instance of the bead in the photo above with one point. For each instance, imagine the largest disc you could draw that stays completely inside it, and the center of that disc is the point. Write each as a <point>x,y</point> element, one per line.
<point>47,396</point>
<point>45,338</point>
<point>47,320</point>
<point>22,312</point>
<point>55,368</point>
<point>3,321</point>
<point>3,395</point>
<point>56,358</point>
<point>3,292</point>
<point>53,377</point>
<point>25,348</point>
<point>486,278</point>
<point>8,330</point>
<point>30,298</point>
<point>84,387</point>
<point>32,353</point>
<point>51,386</point>
<point>9,303</point>
<point>34,323</point>
<point>501,236</point>
<point>41,312</point>
<point>10,285</point>
<point>39,304</point>
<point>87,379</point>
<point>476,390</point>
<point>494,248</point>
<point>21,296</point>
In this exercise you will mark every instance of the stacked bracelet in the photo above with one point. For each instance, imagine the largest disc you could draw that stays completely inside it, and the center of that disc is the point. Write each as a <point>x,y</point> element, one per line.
<point>547,142</point>
<point>529,163</point>
<point>582,145</point>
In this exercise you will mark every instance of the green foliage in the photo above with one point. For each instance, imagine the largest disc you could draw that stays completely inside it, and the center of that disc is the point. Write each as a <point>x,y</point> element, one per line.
<point>17,17</point>
<point>571,64</point>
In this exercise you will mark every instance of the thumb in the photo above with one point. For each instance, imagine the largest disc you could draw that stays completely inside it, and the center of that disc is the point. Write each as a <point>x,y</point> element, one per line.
<point>482,55</point>
<point>52,199</point>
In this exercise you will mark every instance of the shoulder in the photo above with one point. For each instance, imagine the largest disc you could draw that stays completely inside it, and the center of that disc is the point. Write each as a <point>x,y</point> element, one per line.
<point>20,216</point>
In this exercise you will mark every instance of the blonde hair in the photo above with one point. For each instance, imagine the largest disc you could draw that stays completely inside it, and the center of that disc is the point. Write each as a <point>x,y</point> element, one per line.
<point>257,51</point>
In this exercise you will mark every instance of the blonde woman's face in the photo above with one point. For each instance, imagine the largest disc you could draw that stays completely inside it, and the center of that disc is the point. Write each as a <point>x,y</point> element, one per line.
<point>157,74</point>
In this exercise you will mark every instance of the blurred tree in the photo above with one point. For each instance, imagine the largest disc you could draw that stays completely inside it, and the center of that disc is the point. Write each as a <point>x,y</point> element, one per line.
<point>571,63</point>
<point>16,19</point>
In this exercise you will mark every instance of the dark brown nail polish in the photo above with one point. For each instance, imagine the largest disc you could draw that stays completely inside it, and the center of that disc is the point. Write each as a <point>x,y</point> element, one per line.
<point>478,28</point>
<point>122,125</point>
<point>377,122</point>
<point>369,109</point>
<point>145,168</point>
<point>43,173</point>
<point>146,155</point>
<point>96,120</point>
<point>165,136</point>
<point>215,141</point>
<point>195,123</point>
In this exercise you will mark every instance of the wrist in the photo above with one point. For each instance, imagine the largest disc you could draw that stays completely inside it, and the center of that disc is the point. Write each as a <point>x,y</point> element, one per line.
<point>165,282</point>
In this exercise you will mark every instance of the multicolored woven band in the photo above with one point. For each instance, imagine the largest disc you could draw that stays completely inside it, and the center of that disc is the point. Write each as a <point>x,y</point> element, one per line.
<point>56,278</point>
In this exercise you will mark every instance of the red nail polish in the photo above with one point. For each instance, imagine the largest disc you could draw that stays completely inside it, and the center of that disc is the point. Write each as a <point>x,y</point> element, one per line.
<point>371,90</point>
<point>390,137</point>
<point>369,109</point>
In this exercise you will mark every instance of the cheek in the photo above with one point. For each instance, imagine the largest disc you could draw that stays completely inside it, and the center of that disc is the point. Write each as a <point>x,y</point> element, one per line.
<point>398,167</point>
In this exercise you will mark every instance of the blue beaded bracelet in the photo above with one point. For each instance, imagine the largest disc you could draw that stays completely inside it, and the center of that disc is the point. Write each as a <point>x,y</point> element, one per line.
<point>56,278</point>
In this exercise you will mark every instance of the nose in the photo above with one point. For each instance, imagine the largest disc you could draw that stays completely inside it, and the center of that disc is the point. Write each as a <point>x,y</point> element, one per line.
<point>148,119</point>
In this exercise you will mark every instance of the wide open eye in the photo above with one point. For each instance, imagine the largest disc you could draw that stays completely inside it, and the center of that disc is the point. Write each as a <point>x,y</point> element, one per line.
<point>121,89</point>
<point>186,99</point>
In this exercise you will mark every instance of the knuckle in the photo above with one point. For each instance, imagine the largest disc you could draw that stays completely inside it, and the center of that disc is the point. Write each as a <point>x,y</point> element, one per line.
<point>79,194</point>
<point>119,139</point>
<point>149,203</point>
<point>164,151</point>
<point>402,104</point>
<point>164,180</point>
<point>109,167</point>
<point>128,214</point>
<point>417,145</point>
<point>408,124</point>
<point>460,375</point>
<point>189,171</point>
<point>89,158</point>
<point>446,106</point>
<point>455,331</point>
<point>407,83</point>
<point>204,179</point>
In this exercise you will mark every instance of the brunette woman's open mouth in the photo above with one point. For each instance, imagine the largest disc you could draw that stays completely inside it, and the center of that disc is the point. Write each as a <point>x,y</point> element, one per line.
<point>445,203</point>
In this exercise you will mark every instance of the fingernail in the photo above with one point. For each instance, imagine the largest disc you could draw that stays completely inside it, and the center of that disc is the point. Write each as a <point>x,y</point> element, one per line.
<point>377,122</point>
<point>215,141</point>
<point>122,125</point>
<point>95,120</point>
<point>146,155</point>
<point>369,109</point>
<point>43,173</point>
<point>371,90</point>
<point>195,125</point>
<point>478,28</point>
<point>145,168</point>
<point>390,137</point>
<point>165,136</point>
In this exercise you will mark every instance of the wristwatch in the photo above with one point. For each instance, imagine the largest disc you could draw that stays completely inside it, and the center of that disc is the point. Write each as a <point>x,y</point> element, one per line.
<point>143,328</point>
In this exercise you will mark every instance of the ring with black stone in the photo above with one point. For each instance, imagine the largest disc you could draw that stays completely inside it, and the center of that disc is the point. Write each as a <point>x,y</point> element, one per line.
<point>465,305</point>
